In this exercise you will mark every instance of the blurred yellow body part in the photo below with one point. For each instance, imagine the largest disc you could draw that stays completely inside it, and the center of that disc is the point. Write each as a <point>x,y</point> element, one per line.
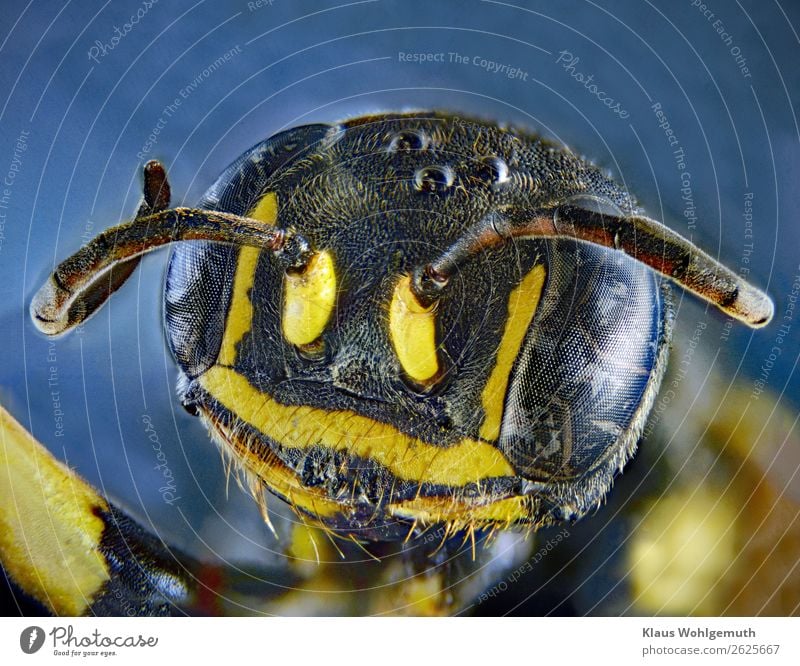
<point>49,527</point>
<point>760,441</point>
<point>680,550</point>
<point>726,541</point>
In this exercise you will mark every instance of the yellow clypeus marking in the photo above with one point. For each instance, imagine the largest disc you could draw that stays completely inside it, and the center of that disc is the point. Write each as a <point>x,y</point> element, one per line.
<point>240,314</point>
<point>522,304</point>
<point>412,329</point>
<point>308,300</point>
<point>49,529</point>
<point>301,427</point>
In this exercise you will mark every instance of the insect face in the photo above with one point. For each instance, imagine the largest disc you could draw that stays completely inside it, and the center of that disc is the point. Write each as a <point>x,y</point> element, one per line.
<point>414,319</point>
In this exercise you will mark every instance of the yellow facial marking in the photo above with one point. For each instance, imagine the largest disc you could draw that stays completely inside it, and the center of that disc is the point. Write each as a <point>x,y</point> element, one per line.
<point>308,300</point>
<point>412,329</point>
<point>303,427</point>
<point>522,306</point>
<point>266,210</point>
<point>49,532</point>
<point>240,314</point>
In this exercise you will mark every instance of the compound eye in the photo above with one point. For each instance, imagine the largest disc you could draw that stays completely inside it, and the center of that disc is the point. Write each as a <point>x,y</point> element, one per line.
<point>588,371</point>
<point>309,296</point>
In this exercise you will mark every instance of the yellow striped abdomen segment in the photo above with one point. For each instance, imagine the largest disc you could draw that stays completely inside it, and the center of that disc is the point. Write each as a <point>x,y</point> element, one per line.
<point>49,528</point>
<point>522,304</point>
<point>301,427</point>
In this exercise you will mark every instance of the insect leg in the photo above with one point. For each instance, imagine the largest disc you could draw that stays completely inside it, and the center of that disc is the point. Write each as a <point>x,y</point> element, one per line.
<point>72,550</point>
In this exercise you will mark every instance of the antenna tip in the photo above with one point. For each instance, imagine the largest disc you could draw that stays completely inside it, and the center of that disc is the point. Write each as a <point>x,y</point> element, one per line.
<point>753,306</point>
<point>47,309</point>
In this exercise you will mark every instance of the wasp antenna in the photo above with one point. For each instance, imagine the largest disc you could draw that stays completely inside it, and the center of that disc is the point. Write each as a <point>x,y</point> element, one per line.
<point>669,253</point>
<point>594,220</point>
<point>82,283</point>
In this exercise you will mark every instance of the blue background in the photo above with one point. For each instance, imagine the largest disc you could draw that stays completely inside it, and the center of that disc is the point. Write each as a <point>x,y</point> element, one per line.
<point>300,62</point>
